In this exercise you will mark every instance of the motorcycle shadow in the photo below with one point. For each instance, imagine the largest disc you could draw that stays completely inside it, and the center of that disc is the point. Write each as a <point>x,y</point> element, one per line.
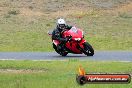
<point>72,56</point>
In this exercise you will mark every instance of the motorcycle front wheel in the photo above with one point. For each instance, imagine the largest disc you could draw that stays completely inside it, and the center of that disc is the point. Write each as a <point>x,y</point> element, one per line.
<point>88,49</point>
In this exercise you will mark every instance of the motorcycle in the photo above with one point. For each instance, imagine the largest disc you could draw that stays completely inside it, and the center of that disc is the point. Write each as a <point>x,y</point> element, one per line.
<point>76,44</point>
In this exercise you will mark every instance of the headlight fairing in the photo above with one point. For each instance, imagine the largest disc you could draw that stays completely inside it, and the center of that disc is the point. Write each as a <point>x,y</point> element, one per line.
<point>77,39</point>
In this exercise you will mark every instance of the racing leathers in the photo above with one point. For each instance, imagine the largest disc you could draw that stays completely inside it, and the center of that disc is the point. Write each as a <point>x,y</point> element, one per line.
<point>57,35</point>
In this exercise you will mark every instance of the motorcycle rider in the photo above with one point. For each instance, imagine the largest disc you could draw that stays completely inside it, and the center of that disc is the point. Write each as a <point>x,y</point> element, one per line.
<point>57,33</point>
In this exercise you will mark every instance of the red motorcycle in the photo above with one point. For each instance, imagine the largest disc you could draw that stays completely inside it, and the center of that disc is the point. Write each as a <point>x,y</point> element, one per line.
<point>76,45</point>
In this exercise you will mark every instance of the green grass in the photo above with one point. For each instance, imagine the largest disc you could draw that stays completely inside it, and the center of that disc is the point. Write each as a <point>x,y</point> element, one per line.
<point>102,33</point>
<point>19,36</point>
<point>21,32</point>
<point>57,74</point>
<point>108,33</point>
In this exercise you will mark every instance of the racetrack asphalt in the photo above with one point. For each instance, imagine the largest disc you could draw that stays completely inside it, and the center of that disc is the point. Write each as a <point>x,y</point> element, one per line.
<point>99,55</point>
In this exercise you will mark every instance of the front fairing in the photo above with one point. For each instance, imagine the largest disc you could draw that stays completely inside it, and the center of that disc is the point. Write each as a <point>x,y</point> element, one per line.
<point>74,32</point>
<point>77,39</point>
<point>72,46</point>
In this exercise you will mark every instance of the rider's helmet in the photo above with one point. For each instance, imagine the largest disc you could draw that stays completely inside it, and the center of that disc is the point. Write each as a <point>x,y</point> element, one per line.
<point>61,24</point>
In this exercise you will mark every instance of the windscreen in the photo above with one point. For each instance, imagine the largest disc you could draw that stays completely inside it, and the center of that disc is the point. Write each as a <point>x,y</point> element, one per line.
<point>74,29</point>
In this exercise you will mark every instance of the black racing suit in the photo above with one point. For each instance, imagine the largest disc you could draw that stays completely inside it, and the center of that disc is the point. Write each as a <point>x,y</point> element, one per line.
<point>57,35</point>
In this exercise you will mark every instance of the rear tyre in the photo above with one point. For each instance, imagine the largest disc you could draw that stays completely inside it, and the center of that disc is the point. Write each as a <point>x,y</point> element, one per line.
<point>88,49</point>
<point>54,46</point>
<point>62,53</point>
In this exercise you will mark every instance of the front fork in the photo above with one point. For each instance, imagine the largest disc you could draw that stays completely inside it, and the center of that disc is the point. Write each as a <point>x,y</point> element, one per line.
<point>80,46</point>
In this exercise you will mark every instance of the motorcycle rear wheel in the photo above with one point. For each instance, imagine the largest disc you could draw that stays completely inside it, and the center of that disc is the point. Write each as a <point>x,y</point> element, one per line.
<point>55,48</point>
<point>62,53</point>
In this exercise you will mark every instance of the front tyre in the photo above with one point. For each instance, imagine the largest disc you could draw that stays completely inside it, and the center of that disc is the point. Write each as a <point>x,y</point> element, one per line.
<point>88,49</point>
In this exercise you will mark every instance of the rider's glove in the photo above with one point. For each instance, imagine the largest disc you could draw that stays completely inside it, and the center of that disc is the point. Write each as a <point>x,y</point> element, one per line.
<point>66,39</point>
<point>69,38</point>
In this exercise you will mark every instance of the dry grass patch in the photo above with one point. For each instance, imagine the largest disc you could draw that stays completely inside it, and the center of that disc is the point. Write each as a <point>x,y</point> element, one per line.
<point>20,71</point>
<point>28,12</point>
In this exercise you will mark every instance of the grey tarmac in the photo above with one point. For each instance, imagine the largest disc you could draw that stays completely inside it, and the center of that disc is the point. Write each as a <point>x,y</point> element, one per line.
<point>99,56</point>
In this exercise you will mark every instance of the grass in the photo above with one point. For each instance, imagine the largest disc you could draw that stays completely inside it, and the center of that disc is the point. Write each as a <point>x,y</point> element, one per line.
<point>103,33</point>
<point>56,74</point>
<point>25,27</point>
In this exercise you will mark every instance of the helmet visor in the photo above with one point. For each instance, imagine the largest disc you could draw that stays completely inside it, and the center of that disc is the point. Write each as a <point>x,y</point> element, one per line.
<point>62,26</point>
